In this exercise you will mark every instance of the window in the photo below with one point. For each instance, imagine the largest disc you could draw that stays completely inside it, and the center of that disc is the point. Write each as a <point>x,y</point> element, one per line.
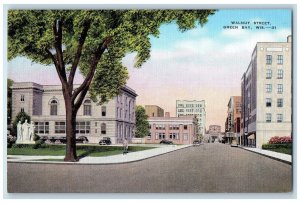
<point>279,59</point>
<point>185,136</point>
<point>279,118</point>
<point>268,117</point>
<point>268,88</point>
<point>269,59</point>
<point>156,136</point>
<point>87,108</point>
<point>22,97</point>
<point>173,127</point>
<point>103,111</point>
<point>83,127</point>
<point>161,135</point>
<point>280,102</point>
<point>53,108</point>
<point>103,128</point>
<point>279,88</point>
<point>180,110</point>
<point>268,102</point>
<point>185,127</point>
<point>149,136</point>
<point>279,73</point>
<point>173,136</point>
<point>180,105</point>
<point>60,127</point>
<point>160,127</point>
<point>269,74</point>
<point>41,127</point>
<point>22,109</point>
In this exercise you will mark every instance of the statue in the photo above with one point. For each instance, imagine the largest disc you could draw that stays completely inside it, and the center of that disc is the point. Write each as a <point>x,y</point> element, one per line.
<point>25,130</point>
<point>19,131</point>
<point>31,131</point>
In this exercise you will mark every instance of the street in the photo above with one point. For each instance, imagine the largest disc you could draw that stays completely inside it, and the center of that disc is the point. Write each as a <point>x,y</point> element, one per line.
<point>203,169</point>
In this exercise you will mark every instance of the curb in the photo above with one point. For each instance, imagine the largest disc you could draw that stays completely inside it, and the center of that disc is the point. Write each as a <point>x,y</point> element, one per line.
<point>78,163</point>
<point>275,158</point>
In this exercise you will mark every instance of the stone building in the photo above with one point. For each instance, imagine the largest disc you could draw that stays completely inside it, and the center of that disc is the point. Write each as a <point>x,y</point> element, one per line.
<point>266,89</point>
<point>154,111</point>
<point>179,130</point>
<point>190,108</point>
<point>45,104</point>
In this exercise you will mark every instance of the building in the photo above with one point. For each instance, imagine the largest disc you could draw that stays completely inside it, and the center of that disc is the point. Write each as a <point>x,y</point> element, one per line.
<point>45,105</point>
<point>266,89</point>
<point>190,108</point>
<point>154,111</point>
<point>233,124</point>
<point>214,133</point>
<point>179,130</point>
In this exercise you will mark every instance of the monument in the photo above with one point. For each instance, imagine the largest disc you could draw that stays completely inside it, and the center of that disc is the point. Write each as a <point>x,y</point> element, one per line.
<point>25,133</point>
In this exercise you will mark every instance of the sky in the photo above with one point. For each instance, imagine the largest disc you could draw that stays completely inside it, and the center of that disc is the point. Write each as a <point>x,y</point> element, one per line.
<point>205,63</point>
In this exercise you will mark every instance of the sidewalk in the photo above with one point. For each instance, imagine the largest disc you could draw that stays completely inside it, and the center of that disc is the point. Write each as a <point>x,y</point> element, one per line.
<point>115,159</point>
<point>286,158</point>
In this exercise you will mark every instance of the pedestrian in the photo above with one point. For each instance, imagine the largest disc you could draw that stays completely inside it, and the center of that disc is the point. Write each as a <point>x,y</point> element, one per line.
<point>125,146</point>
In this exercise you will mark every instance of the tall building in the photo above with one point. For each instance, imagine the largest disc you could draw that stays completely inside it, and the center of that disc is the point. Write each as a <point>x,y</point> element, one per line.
<point>179,130</point>
<point>266,89</point>
<point>232,124</point>
<point>154,111</point>
<point>45,105</point>
<point>190,108</point>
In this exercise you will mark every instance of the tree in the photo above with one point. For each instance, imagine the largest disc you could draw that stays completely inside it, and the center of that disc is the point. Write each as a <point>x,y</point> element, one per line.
<point>21,116</point>
<point>93,41</point>
<point>9,100</point>
<point>141,122</point>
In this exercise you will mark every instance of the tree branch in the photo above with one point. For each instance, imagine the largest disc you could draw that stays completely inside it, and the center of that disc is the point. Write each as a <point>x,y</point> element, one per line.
<point>81,41</point>
<point>96,57</point>
<point>57,31</point>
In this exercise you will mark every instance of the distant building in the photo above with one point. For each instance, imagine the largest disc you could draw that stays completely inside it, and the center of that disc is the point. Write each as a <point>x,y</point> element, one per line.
<point>179,130</point>
<point>154,111</point>
<point>266,89</point>
<point>232,124</point>
<point>45,105</point>
<point>214,132</point>
<point>190,108</point>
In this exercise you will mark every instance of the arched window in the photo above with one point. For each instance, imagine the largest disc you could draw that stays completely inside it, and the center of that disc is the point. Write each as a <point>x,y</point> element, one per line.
<point>103,110</point>
<point>87,108</point>
<point>103,128</point>
<point>53,108</point>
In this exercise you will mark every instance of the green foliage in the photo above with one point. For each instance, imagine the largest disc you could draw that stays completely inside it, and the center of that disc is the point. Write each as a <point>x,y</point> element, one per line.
<point>30,34</point>
<point>141,122</point>
<point>9,99</point>
<point>21,116</point>
<point>281,148</point>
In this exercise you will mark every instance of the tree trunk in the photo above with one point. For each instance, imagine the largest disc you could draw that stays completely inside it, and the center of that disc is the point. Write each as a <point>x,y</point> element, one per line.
<point>70,131</point>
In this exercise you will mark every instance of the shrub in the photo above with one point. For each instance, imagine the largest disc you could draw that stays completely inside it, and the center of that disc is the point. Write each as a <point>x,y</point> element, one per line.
<point>36,137</point>
<point>277,146</point>
<point>38,144</point>
<point>280,140</point>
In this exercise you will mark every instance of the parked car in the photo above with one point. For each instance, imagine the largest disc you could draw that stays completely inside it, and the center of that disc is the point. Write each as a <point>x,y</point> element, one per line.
<point>234,143</point>
<point>166,142</point>
<point>196,143</point>
<point>82,139</point>
<point>105,141</point>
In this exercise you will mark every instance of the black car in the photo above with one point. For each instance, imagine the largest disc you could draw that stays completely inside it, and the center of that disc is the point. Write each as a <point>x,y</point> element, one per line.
<point>105,141</point>
<point>196,143</point>
<point>166,142</point>
<point>82,139</point>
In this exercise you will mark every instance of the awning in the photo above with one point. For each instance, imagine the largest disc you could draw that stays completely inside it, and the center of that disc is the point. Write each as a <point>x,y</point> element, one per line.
<point>251,137</point>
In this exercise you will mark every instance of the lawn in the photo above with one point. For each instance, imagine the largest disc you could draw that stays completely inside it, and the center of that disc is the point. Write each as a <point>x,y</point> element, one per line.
<point>82,150</point>
<point>282,150</point>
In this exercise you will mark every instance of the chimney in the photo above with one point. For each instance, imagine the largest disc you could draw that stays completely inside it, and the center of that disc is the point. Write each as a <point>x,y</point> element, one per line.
<point>167,114</point>
<point>289,38</point>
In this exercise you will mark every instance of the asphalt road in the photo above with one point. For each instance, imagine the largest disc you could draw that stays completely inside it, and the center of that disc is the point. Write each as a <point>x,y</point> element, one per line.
<point>205,169</point>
